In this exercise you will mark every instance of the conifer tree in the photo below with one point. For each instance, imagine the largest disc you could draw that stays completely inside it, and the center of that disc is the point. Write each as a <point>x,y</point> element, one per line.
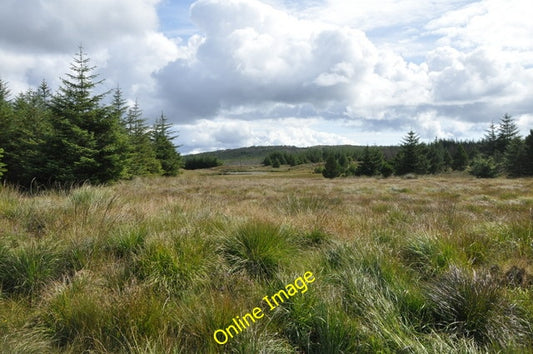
<point>87,143</point>
<point>436,158</point>
<point>142,159</point>
<point>31,126</point>
<point>448,160</point>
<point>165,150</point>
<point>119,106</point>
<point>460,159</point>
<point>331,168</point>
<point>371,162</point>
<point>490,140</point>
<point>411,157</point>
<point>528,154</point>
<point>515,158</point>
<point>507,131</point>
<point>6,114</point>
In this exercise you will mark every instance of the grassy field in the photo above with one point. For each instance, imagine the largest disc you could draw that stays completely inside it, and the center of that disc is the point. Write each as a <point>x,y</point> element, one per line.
<point>429,265</point>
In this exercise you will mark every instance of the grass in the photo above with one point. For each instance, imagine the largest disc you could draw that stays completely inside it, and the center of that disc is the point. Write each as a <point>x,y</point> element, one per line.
<point>156,265</point>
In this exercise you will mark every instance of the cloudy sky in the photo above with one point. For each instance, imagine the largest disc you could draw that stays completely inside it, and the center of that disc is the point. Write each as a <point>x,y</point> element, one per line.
<point>232,73</point>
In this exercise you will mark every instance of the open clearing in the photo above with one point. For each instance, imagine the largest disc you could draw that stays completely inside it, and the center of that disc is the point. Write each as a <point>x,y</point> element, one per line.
<point>432,264</point>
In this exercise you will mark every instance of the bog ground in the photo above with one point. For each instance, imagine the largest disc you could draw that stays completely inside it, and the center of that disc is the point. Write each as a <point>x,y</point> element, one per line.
<point>431,264</point>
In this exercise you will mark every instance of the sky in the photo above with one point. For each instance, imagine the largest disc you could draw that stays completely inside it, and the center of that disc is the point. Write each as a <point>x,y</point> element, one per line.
<point>235,73</point>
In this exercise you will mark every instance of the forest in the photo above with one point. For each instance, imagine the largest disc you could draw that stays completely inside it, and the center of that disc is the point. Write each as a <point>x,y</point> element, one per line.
<point>72,136</point>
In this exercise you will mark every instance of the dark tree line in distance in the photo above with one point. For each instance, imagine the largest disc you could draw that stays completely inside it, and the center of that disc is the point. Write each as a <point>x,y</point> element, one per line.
<point>72,136</point>
<point>500,152</point>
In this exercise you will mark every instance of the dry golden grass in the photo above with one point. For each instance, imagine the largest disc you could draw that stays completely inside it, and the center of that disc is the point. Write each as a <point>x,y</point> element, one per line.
<point>141,265</point>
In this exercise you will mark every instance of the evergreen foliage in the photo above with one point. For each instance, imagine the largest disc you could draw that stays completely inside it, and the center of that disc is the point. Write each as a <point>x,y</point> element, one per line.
<point>460,159</point>
<point>528,153</point>
<point>484,167</point>
<point>198,162</point>
<point>436,158</point>
<point>84,133</point>
<point>71,136</point>
<point>2,165</point>
<point>331,168</point>
<point>490,140</point>
<point>371,162</point>
<point>515,159</point>
<point>411,157</point>
<point>142,159</point>
<point>165,151</point>
<point>507,131</point>
<point>30,127</point>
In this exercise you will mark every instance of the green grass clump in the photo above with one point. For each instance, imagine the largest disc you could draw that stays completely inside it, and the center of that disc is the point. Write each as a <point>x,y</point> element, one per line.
<point>258,248</point>
<point>472,304</point>
<point>429,255</point>
<point>27,268</point>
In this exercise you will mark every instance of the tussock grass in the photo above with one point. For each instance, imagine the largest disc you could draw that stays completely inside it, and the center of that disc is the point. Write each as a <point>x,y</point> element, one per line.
<point>438,264</point>
<point>258,248</point>
<point>473,305</point>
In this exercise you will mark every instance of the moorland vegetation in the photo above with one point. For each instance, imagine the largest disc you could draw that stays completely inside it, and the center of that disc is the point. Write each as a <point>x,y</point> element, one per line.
<point>436,264</point>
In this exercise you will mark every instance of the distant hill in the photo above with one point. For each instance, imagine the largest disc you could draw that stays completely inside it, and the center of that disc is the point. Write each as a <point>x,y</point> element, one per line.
<point>254,155</point>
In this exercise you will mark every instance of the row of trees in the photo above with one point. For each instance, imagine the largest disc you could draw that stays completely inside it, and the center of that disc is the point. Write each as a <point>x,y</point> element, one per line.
<point>72,136</point>
<point>501,151</point>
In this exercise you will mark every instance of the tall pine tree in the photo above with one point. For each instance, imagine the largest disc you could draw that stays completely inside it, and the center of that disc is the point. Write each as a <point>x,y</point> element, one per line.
<point>490,140</point>
<point>411,157</point>
<point>515,158</point>
<point>31,126</point>
<point>165,150</point>
<point>460,159</point>
<point>507,131</point>
<point>87,143</point>
<point>371,162</point>
<point>6,115</point>
<point>528,154</point>
<point>142,159</point>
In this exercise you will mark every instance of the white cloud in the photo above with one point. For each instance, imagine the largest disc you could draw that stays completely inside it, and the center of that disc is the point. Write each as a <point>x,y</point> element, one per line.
<point>39,38</point>
<point>222,133</point>
<point>344,71</point>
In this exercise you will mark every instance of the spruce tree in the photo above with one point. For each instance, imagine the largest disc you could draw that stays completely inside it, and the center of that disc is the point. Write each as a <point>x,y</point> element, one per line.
<point>87,143</point>
<point>460,159</point>
<point>31,125</point>
<point>6,123</point>
<point>528,154</point>
<point>371,162</point>
<point>165,150</point>
<point>331,168</point>
<point>490,140</point>
<point>515,158</point>
<point>436,158</point>
<point>448,160</point>
<point>142,159</point>
<point>507,131</point>
<point>6,113</point>
<point>119,106</point>
<point>411,157</point>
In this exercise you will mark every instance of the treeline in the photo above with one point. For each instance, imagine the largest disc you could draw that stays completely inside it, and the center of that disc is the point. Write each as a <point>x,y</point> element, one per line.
<point>71,136</point>
<point>320,154</point>
<point>502,151</point>
<point>198,162</point>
